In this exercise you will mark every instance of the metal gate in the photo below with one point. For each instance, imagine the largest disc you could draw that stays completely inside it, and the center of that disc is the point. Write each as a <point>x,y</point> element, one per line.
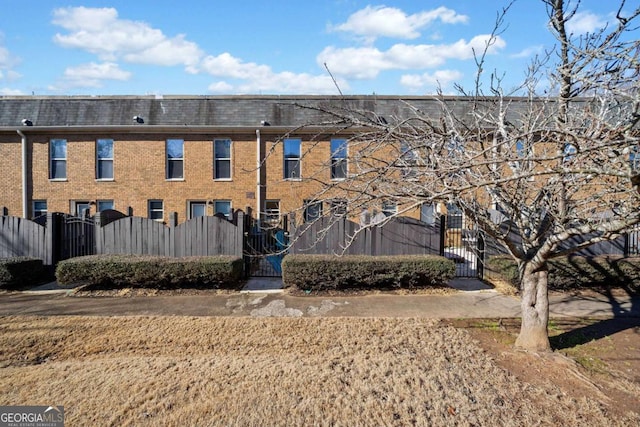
<point>77,237</point>
<point>462,242</point>
<point>265,246</point>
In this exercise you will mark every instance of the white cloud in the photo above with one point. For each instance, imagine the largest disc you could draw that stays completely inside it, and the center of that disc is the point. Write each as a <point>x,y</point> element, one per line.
<point>368,62</point>
<point>585,22</point>
<point>93,75</point>
<point>442,78</point>
<point>261,78</point>
<point>101,32</point>
<point>7,62</point>
<point>10,92</point>
<point>528,52</point>
<point>381,21</point>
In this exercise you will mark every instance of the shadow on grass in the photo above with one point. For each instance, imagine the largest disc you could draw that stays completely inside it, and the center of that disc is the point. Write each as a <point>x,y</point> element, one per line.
<point>623,317</point>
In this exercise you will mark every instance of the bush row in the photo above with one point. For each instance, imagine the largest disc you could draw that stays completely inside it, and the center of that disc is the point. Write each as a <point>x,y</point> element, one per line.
<point>326,272</point>
<point>21,271</point>
<point>131,271</point>
<point>575,272</point>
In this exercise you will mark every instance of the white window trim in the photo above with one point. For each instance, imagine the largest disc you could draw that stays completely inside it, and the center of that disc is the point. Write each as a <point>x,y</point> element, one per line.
<point>33,207</point>
<point>113,203</point>
<point>66,160</point>
<point>167,160</point>
<point>190,203</point>
<point>230,159</point>
<point>149,210</point>
<point>230,207</point>
<point>345,159</point>
<point>111,159</point>
<point>284,161</point>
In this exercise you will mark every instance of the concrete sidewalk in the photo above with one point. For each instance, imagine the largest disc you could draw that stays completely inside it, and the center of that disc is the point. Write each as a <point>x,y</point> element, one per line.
<point>474,300</point>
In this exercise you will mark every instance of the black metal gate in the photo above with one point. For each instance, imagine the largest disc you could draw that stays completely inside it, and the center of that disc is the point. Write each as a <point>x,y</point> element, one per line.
<point>265,246</point>
<point>462,242</point>
<point>77,237</point>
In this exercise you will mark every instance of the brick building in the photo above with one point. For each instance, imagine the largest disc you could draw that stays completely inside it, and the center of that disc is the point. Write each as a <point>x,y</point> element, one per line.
<point>156,155</point>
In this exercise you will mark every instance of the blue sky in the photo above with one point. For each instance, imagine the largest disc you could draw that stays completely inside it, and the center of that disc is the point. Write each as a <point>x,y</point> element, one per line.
<point>211,47</point>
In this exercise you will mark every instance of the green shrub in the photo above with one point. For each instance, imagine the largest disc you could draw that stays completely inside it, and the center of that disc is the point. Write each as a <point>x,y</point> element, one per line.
<point>579,272</point>
<point>327,272</point>
<point>132,271</point>
<point>21,271</point>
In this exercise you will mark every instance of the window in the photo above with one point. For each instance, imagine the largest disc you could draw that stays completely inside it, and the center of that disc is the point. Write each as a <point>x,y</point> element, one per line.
<point>634,159</point>
<point>569,152</point>
<point>156,210</point>
<point>339,207</point>
<point>80,208</point>
<point>292,158</point>
<point>389,208</point>
<point>454,216</point>
<point>428,213</point>
<point>103,205</point>
<point>222,159</point>
<point>338,158</point>
<point>197,209</point>
<point>272,211</point>
<point>104,159</point>
<point>175,159</point>
<point>39,208</point>
<point>58,159</point>
<point>223,207</point>
<point>312,210</point>
<point>408,161</point>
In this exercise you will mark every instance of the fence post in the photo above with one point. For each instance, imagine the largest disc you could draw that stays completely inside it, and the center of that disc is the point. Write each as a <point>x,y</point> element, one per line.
<point>5,211</point>
<point>173,222</point>
<point>240,234</point>
<point>97,231</point>
<point>129,211</point>
<point>443,230</point>
<point>52,239</point>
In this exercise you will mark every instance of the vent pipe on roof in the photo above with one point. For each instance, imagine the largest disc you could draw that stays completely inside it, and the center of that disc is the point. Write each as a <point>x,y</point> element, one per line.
<point>25,211</point>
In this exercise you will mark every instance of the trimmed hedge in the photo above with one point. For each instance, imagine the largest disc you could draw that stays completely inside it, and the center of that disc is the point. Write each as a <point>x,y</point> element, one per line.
<point>139,271</point>
<point>327,272</point>
<point>579,272</point>
<point>20,271</point>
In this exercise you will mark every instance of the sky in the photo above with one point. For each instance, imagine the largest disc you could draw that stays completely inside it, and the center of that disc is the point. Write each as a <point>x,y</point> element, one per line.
<point>213,47</point>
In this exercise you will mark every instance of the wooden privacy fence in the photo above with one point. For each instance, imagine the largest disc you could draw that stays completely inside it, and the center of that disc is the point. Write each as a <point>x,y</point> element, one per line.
<point>398,236</point>
<point>22,237</point>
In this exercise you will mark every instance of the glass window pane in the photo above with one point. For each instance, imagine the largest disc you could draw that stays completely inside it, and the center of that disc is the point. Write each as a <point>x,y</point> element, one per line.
<point>339,169</point>
<point>103,205</point>
<point>105,169</point>
<point>223,169</point>
<point>292,148</point>
<point>105,149</point>
<point>175,148</point>
<point>222,148</point>
<point>223,207</point>
<point>198,209</point>
<point>58,169</point>
<point>175,169</point>
<point>292,169</point>
<point>339,148</point>
<point>58,148</point>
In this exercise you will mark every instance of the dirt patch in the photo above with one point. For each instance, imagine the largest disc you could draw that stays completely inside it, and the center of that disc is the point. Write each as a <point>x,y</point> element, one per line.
<point>271,371</point>
<point>593,358</point>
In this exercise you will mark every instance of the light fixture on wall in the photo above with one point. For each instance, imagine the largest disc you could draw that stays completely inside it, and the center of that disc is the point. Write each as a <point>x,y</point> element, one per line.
<point>27,122</point>
<point>138,119</point>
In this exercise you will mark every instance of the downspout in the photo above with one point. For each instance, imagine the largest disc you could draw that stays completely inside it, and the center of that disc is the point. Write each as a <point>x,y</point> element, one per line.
<point>258,175</point>
<point>25,211</point>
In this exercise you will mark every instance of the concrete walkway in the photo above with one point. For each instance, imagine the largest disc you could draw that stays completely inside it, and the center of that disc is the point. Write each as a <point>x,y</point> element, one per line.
<point>262,298</point>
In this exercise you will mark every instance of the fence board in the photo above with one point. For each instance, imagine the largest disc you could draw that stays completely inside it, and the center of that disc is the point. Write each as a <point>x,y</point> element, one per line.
<point>22,237</point>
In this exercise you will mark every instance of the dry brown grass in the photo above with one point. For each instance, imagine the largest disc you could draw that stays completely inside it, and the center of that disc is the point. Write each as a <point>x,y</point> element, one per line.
<point>274,371</point>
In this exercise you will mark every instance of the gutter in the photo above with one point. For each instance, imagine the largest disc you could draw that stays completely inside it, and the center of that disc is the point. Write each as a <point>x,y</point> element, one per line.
<point>25,200</point>
<point>258,176</point>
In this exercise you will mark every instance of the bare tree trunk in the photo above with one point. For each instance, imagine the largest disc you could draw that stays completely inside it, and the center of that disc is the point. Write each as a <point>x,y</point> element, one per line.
<point>534,335</point>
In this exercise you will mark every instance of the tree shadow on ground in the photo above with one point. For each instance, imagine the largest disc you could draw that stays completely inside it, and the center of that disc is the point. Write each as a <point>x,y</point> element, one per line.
<point>618,281</point>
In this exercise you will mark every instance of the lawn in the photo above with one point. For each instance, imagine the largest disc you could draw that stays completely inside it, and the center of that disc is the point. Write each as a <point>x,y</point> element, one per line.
<point>273,371</point>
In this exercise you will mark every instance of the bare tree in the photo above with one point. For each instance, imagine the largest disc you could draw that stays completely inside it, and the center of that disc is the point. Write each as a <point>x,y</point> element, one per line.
<point>546,169</point>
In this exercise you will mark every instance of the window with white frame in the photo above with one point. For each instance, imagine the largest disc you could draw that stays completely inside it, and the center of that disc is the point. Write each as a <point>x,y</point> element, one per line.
<point>58,159</point>
<point>39,208</point>
<point>408,161</point>
<point>338,207</point>
<point>634,158</point>
<point>197,208</point>
<point>103,205</point>
<point>428,213</point>
<point>222,159</point>
<point>569,152</point>
<point>223,207</point>
<point>338,158</point>
<point>155,210</point>
<point>175,158</point>
<point>312,210</point>
<point>272,211</point>
<point>81,208</point>
<point>104,159</point>
<point>389,208</point>
<point>292,153</point>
